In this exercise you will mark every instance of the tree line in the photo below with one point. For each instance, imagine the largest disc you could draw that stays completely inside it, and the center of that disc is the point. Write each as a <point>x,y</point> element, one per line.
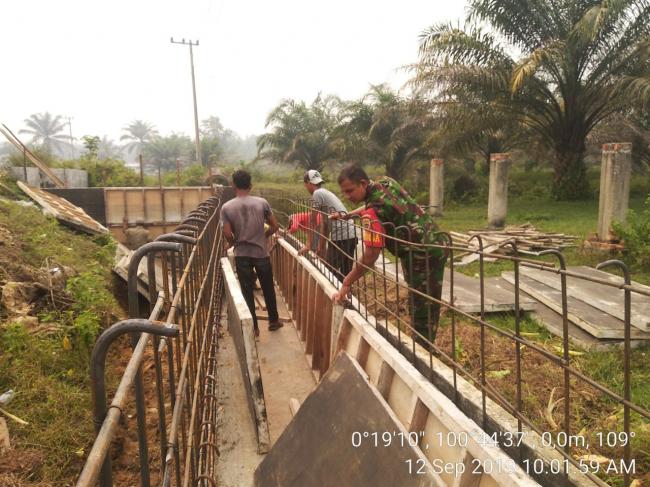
<point>545,77</point>
<point>49,137</point>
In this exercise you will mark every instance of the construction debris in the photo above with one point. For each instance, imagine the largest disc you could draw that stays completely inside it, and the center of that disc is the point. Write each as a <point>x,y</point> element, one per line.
<point>526,237</point>
<point>11,137</point>
<point>63,210</point>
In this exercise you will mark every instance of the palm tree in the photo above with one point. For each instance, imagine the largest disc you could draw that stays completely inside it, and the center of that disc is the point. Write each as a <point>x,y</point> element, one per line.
<point>108,149</point>
<point>300,134</point>
<point>138,133</point>
<point>387,128</point>
<point>162,152</point>
<point>559,66</point>
<point>46,130</point>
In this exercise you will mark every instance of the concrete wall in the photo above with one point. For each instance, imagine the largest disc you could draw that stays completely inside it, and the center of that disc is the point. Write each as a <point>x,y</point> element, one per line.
<point>73,178</point>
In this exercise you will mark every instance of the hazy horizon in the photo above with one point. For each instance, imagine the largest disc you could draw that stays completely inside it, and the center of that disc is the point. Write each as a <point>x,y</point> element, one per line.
<point>106,65</point>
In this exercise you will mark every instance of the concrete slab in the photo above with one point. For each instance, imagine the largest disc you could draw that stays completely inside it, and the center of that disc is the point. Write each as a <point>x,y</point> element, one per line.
<point>605,298</point>
<point>467,295</point>
<point>236,432</point>
<point>316,448</point>
<point>591,319</point>
<point>552,321</point>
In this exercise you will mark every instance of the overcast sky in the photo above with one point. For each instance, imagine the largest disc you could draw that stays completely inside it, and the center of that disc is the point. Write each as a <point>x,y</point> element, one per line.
<point>106,63</point>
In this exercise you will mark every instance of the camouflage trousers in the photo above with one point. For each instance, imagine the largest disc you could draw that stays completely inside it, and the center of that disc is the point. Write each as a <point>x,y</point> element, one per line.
<point>424,272</point>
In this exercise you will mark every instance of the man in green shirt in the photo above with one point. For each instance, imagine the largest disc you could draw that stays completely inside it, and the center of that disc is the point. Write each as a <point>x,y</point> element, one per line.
<point>390,211</point>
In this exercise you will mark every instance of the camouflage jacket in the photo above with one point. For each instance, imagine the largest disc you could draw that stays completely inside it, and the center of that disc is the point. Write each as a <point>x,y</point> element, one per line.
<point>396,208</point>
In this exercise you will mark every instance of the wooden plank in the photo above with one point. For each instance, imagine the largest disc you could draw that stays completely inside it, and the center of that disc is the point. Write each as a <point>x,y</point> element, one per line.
<point>153,204</point>
<point>326,335</point>
<point>469,478</point>
<point>311,316</point>
<point>385,379</point>
<point>5,441</point>
<point>15,141</point>
<point>240,324</point>
<point>312,452</point>
<point>135,208</point>
<point>605,298</point>
<point>590,319</point>
<point>294,406</point>
<point>63,210</point>
<point>440,407</point>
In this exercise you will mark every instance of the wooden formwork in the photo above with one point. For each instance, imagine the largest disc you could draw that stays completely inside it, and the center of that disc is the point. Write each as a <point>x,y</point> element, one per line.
<point>240,325</point>
<point>159,208</point>
<point>415,401</point>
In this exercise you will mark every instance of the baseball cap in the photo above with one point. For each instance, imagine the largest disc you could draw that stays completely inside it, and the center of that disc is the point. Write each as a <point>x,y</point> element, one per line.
<point>314,177</point>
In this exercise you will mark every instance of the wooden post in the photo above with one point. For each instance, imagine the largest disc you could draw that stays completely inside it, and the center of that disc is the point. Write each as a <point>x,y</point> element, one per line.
<point>142,170</point>
<point>615,170</point>
<point>498,193</point>
<point>436,187</point>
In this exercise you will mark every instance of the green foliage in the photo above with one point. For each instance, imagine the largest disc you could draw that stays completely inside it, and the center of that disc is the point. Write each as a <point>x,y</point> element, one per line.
<point>387,129</point>
<point>556,74</point>
<point>211,151</point>
<point>163,151</point>
<point>193,175</point>
<point>299,133</point>
<point>14,338</point>
<point>107,172</point>
<point>49,371</point>
<point>18,159</point>
<point>465,188</point>
<point>91,144</point>
<point>636,235</point>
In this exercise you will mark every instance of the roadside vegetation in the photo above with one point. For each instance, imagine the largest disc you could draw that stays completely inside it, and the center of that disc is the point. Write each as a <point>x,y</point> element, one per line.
<point>57,295</point>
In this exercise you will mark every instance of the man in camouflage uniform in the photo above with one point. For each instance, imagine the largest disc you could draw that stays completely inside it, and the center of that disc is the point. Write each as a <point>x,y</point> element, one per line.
<point>389,210</point>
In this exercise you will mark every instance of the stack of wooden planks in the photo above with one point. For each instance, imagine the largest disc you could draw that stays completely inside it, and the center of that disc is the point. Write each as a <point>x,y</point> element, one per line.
<point>595,308</point>
<point>526,237</point>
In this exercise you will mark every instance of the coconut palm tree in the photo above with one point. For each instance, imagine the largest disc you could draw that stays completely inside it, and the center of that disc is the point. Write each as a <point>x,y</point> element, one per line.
<point>138,133</point>
<point>47,131</point>
<point>300,133</point>
<point>560,66</point>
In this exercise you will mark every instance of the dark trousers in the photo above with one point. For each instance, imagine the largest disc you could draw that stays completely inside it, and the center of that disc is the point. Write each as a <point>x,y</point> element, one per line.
<point>247,267</point>
<point>341,261</point>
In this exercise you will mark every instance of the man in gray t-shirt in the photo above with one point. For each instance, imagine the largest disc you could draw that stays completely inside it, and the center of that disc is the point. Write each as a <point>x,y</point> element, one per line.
<point>243,220</point>
<point>343,240</point>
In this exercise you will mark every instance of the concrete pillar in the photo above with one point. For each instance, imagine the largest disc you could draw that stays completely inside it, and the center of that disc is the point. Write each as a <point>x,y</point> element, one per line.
<point>436,188</point>
<point>498,194</point>
<point>615,170</point>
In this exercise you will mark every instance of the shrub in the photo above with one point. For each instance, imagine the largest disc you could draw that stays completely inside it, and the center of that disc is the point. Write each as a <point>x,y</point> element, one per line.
<point>636,235</point>
<point>465,187</point>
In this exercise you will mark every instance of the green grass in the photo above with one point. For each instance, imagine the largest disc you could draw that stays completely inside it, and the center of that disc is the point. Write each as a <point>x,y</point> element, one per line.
<point>578,218</point>
<point>49,371</point>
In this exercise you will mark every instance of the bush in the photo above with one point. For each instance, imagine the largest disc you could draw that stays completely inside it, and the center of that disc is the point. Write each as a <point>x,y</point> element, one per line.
<point>636,235</point>
<point>465,188</point>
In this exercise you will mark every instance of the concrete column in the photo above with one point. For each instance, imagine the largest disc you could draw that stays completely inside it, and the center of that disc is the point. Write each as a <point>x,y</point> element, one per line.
<point>498,195</point>
<point>436,188</point>
<point>615,170</point>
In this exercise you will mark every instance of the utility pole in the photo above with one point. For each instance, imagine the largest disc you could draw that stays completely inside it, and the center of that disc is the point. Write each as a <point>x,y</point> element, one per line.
<point>196,116</point>
<point>71,139</point>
